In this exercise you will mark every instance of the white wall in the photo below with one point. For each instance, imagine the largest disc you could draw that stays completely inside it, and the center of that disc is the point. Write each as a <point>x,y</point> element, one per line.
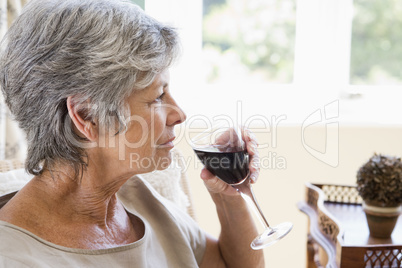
<point>278,190</point>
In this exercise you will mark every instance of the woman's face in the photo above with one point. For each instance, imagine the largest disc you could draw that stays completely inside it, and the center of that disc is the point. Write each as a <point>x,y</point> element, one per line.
<point>146,144</point>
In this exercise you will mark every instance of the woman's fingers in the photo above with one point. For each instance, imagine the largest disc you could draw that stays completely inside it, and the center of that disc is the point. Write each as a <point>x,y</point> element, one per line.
<point>215,185</point>
<point>206,175</point>
<point>252,148</point>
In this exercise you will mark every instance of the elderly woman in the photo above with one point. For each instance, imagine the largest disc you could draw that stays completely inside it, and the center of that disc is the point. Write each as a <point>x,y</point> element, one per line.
<point>88,82</point>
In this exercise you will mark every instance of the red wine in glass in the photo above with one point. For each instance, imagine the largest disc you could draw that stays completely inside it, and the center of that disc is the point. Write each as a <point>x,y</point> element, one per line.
<point>223,153</point>
<point>231,167</point>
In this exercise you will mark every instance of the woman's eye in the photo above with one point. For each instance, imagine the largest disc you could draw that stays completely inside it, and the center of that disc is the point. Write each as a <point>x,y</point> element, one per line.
<point>158,99</point>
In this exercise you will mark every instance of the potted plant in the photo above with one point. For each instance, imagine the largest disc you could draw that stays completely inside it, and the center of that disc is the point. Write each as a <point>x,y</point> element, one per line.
<point>379,183</point>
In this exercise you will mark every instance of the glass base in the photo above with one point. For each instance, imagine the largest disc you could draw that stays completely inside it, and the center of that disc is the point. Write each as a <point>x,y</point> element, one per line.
<point>271,236</point>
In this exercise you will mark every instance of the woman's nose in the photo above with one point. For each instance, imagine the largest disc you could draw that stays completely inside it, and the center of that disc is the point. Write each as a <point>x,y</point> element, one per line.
<point>176,114</point>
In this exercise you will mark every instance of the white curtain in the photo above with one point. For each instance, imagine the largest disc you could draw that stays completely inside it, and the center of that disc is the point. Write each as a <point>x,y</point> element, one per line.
<point>12,140</point>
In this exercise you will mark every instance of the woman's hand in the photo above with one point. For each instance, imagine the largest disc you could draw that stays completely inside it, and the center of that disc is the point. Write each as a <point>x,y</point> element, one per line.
<point>233,247</point>
<point>215,185</point>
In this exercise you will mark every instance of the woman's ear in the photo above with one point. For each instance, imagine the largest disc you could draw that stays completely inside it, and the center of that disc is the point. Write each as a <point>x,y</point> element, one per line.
<point>82,123</point>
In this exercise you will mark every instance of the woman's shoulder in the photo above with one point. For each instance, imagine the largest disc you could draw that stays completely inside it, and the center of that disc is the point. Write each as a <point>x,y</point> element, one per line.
<point>138,194</point>
<point>162,216</point>
<point>8,262</point>
<point>141,199</point>
<point>15,242</point>
<point>20,208</point>
<point>139,190</point>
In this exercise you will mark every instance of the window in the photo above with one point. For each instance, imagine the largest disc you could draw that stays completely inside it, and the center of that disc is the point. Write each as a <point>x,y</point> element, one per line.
<point>288,57</point>
<point>376,52</point>
<point>248,40</point>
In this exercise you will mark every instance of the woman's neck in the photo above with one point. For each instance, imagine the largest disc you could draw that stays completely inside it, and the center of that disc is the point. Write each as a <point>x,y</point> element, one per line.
<point>90,198</point>
<point>82,213</point>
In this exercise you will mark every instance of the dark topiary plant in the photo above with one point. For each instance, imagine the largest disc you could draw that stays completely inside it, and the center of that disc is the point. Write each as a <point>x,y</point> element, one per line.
<point>379,181</point>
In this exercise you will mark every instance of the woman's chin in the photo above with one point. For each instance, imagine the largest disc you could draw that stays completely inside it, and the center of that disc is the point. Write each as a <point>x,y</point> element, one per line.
<point>164,162</point>
<point>160,162</point>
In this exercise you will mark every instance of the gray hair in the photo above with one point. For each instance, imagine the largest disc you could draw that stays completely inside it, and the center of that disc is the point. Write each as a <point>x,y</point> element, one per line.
<point>97,51</point>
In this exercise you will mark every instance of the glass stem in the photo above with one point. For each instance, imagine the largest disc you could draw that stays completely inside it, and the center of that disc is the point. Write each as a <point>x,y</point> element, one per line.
<point>246,192</point>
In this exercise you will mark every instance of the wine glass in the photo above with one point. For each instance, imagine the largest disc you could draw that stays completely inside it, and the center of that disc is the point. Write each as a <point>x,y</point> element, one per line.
<point>222,150</point>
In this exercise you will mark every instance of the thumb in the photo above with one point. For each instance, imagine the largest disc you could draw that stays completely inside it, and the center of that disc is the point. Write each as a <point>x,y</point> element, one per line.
<point>215,185</point>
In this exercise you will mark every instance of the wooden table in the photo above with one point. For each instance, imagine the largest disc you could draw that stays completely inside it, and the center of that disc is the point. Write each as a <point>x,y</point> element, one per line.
<point>338,234</point>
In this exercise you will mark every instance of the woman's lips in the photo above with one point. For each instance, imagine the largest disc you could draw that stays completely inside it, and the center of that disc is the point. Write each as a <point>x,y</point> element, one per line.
<point>168,144</point>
